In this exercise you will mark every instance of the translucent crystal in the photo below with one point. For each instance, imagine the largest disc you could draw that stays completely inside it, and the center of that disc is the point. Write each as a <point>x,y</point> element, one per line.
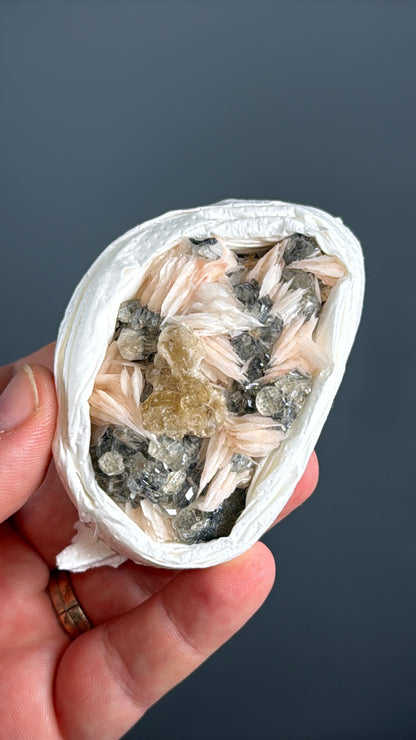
<point>283,399</point>
<point>111,463</point>
<point>192,525</point>
<point>209,248</point>
<point>311,305</point>
<point>136,463</point>
<point>175,454</point>
<point>261,308</point>
<point>184,406</point>
<point>181,403</point>
<point>135,346</point>
<point>114,486</point>
<point>174,481</point>
<point>299,247</point>
<point>241,462</point>
<point>270,332</point>
<point>181,348</point>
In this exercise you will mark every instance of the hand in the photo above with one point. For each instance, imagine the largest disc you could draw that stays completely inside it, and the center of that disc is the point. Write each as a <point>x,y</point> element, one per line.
<point>152,627</point>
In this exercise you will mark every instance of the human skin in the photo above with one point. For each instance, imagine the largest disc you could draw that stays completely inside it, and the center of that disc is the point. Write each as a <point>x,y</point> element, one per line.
<point>153,627</point>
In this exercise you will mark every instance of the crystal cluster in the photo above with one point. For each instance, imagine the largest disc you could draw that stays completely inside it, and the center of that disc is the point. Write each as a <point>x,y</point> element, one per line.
<point>182,401</point>
<point>129,468</point>
<point>181,409</point>
<point>137,331</point>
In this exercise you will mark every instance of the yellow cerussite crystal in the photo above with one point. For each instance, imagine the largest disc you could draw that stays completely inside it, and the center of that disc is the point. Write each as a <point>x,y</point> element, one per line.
<point>182,401</point>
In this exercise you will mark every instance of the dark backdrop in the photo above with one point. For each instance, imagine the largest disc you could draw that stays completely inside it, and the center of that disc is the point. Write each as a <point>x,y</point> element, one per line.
<point>114,112</point>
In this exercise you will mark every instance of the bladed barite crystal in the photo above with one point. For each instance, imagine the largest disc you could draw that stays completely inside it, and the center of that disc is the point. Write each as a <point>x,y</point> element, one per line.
<point>187,399</point>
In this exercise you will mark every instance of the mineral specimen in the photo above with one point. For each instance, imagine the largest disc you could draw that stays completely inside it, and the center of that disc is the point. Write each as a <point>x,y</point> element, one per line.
<point>137,331</point>
<point>249,295</point>
<point>192,525</point>
<point>299,247</point>
<point>175,454</point>
<point>209,248</point>
<point>310,303</point>
<point>134,345</point>
<point>283,399</point>
<point>185,401</point>
<point>182,402</point>
<point>111,463</point>
<point>241,398</point>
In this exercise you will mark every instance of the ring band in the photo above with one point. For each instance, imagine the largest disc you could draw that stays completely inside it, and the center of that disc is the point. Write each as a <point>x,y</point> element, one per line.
<point>72,618</point>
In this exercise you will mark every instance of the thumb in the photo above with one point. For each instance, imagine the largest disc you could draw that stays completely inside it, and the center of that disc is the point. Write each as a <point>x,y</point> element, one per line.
<point>28,410</point>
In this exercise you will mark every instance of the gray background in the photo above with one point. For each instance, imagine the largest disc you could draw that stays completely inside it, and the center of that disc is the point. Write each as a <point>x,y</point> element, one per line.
<point>114,112</point>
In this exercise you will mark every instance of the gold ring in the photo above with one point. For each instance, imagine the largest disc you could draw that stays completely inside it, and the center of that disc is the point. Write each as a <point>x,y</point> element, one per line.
<point>71,616</point>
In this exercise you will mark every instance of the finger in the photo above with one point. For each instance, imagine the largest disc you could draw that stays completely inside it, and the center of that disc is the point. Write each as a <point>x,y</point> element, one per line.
<point>304,488</point>
<point>47,519</point>
<point>109,676</point>
<point>43,357</point>
<point>106,593</point>
<point>27,423</point>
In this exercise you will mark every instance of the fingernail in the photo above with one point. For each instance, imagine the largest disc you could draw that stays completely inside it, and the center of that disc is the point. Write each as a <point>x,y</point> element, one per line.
<point>19,400</point>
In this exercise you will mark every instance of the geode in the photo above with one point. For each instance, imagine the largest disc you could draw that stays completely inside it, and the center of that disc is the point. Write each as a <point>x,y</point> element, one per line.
<point>101,309</point>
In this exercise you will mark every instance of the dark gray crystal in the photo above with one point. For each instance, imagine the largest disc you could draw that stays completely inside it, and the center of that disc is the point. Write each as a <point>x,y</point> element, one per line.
<point>261,308</point>
<point>311,305</point>
<point>149,481</point>
<point>247,293</point>
<point>192,525</point>
<point>283,399</point>
<point>299,247</point>
<point>271,331</point>
<point>257,367</point>
<point>133,315</point>
<point>143,319</point>
<point>126,311</point>
<point>146,392</point>
<point>241,398</point>
<point>209,249</point>
<point>247,346</point>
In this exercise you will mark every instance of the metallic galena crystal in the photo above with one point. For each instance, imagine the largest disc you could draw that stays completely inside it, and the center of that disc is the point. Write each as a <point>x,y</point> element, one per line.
<point>192,525</point>
<point>283,399</point>
<point>299,247</point>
